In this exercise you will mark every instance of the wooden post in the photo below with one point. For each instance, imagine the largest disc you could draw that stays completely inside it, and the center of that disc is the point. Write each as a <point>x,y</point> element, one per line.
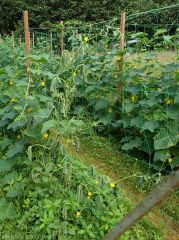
<point>62,38</point>
<point>121,60</point>
<point>51,43</point>
<point>154,198</point>
<point>13,44</point>
<point>33,40</point>
<point>27,36</point>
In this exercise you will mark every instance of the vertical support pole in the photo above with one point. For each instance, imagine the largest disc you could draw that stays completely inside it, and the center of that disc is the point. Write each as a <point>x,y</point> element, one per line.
<point>51,46</point>
<point>33,40</point>
<point>121,59</point>
<point>123,25</point>
<point>62,38</point>
<point>0,39</point>
<point>13,44</point>
<point>27,36</point>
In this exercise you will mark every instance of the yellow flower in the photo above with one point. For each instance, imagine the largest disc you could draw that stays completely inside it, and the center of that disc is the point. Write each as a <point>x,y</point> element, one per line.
<point>78,214</point>
<point>112,185</point>
<point>74,74</point>
<point>170,160</point>
<point>169,101</point>
<point>152,61</point>
<point>18,137</point>
<point>29,110</point>
<point>13,100</point>
<point>11,83</point>
<point>119,58</point>
<point>110,110</point>
<point>43,84</point>
<point>97,182</point>
<point>28,69</point>
<point>86,39</point>
<point>45,136</point>
<point>89,194</point>
<point>134,98</point>
<point>69,140</point>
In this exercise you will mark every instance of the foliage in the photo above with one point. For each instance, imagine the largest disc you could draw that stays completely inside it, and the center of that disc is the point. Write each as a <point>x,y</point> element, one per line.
<point>98,10</point>
<point>44,192</point>
<point>150,112</point>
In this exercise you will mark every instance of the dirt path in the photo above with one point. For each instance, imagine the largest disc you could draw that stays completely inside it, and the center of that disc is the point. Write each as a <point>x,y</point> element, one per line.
<point>110,162</point>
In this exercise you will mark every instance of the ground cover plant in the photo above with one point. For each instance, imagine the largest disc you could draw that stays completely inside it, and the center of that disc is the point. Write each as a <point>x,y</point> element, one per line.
<point>44,192</point>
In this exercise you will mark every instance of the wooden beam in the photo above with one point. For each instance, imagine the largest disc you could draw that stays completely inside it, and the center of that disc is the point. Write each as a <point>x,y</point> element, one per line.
<point>163,190</point>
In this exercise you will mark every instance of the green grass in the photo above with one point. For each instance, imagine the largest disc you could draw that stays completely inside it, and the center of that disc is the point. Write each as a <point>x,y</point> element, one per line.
<point>135,177</point>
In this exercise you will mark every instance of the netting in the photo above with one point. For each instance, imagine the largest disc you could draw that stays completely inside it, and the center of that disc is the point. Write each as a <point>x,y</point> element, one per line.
<point>147,121</point>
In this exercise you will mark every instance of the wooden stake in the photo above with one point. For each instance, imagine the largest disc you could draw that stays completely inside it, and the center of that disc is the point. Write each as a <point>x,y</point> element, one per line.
<point>162,191</point>
<point>123,25</point>
<point>51,43</point>
<point>121,60</point>
<point>27,36</point>
<point>13,44</point>
<point>62,38</point>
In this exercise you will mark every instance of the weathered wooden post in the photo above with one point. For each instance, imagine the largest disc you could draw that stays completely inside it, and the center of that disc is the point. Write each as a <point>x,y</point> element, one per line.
<point>62,38</point>
<point>27,37</point>
<point>13,43</point>
<point>121,60</point>
<point>154,198</point>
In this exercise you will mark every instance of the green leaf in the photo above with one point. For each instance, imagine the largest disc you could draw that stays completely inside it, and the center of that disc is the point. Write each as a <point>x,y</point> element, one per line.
<point>160,31</point>
<point>9,177</point>
<point>138,122</point>
<point>40,59</point>
<point>6,165</point>
<point>132,144</point>
<point>33,132</point>
<point>15,190</point>
<point>161,155</point>
<point>173,112</point>
<point>9,115</point>
<point>43,113</point>
<point>176,100</point>
<point>4,123</point>
<point>76,123</point>
<point>147,146</point>
<point>7,210</point>
<point>159,165</point>
<point>128,107</point>
<point>150,125</point>
<point>101,104</point>
<point>18,123</point>
<point>175,162</point>
<point>15,149</point>
<point>81,232</point>
<point>48,125</point>
<point>164,139</point>
<point>5,142</point>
